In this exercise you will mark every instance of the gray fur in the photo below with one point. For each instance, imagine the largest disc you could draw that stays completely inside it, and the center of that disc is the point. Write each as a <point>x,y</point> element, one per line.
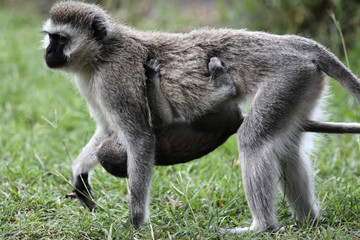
<point>162,112</point>
<point>285,73</point>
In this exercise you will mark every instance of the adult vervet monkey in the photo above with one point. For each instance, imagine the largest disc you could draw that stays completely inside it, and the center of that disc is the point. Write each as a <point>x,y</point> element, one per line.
<point>284,73</point>
<point>181,142</point>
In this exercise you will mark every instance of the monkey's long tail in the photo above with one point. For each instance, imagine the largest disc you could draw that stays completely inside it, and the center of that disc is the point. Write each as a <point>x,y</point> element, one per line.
<point>334,68</point>
<point>330,127</point>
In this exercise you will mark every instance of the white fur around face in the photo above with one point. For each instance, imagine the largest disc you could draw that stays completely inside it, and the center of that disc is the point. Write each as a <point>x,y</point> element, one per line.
<point>77,38</point>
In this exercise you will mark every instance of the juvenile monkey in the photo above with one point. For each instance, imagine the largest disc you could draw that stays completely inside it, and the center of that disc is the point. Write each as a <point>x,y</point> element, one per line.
<point>285,74</point>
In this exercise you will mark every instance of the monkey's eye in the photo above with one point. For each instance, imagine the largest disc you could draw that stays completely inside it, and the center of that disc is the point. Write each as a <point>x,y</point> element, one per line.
<point>59,38</point>
<point>63,40</point>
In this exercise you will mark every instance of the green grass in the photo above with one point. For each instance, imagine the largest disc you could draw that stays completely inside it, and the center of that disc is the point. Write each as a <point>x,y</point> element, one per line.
<point>44,123</point>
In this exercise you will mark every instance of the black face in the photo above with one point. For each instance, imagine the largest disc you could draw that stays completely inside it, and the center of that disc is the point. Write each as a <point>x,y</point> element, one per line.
<point>54,55</point>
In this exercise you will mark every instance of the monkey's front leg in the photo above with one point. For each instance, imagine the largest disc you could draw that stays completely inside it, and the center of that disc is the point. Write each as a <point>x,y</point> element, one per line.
<point>141,160</point>
<point>82,166</point>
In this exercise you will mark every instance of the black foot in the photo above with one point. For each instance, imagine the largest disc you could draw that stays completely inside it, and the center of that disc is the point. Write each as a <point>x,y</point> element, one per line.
<point>83,191</point>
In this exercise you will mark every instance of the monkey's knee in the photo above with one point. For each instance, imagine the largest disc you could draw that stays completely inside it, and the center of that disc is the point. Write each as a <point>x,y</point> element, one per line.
<point>112,156</point>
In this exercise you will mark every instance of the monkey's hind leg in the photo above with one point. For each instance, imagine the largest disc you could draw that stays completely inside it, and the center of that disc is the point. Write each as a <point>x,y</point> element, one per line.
<point>263,141</point>
<point>260,171</point>
<point>297,180</point>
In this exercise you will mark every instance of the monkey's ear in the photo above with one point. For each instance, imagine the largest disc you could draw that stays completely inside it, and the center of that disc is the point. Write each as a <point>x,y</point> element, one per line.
<point>99,29</point>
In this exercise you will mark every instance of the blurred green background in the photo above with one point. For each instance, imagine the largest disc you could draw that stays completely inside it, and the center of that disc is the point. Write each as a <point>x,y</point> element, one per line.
<point>44,123</point>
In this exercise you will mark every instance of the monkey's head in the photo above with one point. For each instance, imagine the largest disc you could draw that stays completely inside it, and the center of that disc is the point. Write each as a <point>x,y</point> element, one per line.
<point>74,34</point>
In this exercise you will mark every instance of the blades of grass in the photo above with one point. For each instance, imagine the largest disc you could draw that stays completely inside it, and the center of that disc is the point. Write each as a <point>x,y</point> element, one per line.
<point>39,160</point>
<point>110,232</point>
<point>188,202</point>
<point>337,24</point>
<point>152,231</point>
<point>58,174</point>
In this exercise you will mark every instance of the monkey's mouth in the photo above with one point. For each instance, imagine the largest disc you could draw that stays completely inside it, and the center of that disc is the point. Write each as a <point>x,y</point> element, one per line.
<point>51,62</point>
